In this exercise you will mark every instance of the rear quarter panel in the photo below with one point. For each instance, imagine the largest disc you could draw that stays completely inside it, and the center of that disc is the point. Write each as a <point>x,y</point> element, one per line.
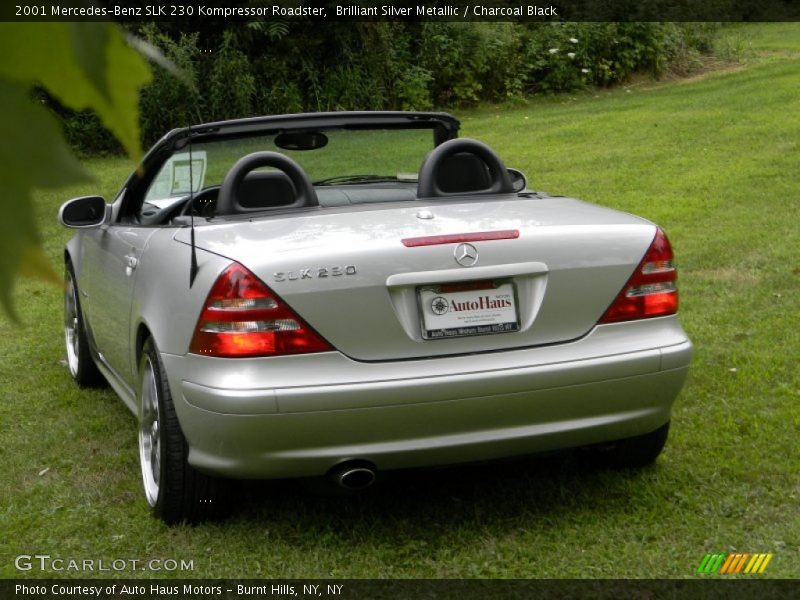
<point>164,303</point>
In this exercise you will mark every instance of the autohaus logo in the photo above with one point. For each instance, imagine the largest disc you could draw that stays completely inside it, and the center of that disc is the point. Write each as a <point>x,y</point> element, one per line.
<point>440,305</point>
<point>482,303</point>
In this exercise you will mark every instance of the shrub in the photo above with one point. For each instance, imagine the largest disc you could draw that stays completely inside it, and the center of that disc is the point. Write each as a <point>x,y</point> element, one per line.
<point>87,135</point>
<point>451,53</point>
<point>555,58</point>
<point>169,102</point>
<point>413,89</point>
<point>231,85</point>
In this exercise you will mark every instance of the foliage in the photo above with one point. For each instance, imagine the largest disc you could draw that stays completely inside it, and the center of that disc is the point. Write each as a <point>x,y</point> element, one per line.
<point>279,67</point>
<point>413,89</point>
<point>169,102</point>
<point>555,58</point>
<point>85,132</point>
<point>450,51</point>
<point>231,85</point>
<point>85,66</point>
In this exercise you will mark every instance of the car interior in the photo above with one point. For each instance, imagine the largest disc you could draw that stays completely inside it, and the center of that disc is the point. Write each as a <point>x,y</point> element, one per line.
<point>458,167</point>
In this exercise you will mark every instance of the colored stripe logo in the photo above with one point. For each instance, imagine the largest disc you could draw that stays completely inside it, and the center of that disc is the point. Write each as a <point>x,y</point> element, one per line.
<point>738,562</point>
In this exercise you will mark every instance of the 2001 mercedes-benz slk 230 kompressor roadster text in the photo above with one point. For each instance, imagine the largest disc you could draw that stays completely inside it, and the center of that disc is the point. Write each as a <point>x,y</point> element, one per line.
<point>344,293</point>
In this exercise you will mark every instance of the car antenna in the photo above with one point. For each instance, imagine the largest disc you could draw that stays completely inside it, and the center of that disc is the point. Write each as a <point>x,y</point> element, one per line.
<point>193,260</point>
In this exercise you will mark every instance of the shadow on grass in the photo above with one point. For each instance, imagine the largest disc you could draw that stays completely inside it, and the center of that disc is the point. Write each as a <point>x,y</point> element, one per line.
<point>513,495</point>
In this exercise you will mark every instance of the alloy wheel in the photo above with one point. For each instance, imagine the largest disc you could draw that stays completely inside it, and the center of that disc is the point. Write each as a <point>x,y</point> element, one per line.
<point>71,325</point>
<point>150,434</point>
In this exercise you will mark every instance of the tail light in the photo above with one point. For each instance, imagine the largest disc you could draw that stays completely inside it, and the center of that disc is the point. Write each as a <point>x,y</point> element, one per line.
<point>242,317</point>
<point>651,291</point>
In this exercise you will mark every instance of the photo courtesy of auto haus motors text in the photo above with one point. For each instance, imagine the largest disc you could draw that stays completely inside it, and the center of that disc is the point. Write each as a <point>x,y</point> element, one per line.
<point>141,590</point>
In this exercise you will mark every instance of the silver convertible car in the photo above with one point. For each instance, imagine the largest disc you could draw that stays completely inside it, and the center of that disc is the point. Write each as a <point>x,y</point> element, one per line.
<point>340,294</point>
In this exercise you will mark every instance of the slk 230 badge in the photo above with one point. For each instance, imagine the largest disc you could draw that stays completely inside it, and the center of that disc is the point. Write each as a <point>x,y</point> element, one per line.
<point>315,273</point>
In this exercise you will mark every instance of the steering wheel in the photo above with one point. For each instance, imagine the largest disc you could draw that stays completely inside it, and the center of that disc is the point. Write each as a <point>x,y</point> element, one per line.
<point>201,196</point>
<point>428,187</point>
<point>228,199</point>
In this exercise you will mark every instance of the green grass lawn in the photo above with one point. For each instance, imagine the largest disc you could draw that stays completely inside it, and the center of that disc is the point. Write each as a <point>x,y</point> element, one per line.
<point>715,161</point>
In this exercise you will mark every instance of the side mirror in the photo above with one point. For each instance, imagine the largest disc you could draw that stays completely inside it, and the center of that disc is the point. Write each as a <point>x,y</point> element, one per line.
<point>518,180</point>
<point>83,212</point>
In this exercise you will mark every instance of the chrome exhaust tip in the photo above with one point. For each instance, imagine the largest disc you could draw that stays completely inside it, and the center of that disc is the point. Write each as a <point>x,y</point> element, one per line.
<point>351,477</point>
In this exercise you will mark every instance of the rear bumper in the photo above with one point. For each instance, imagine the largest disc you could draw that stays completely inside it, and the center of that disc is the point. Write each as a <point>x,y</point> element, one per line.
<point>300,416</point>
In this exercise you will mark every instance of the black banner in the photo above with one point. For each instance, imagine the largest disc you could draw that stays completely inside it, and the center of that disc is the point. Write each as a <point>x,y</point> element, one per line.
<point>491,10</point>
<point>248,589</point>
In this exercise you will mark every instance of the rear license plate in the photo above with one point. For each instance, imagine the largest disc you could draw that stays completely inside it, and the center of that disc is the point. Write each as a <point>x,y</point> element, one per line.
<point>459,310</point>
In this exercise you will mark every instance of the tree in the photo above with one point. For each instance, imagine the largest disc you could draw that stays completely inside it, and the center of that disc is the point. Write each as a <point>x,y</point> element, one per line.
<point>83,65</point>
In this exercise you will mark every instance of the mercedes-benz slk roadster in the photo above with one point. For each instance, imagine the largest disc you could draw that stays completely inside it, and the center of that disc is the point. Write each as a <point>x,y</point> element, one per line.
<point>340,294</point>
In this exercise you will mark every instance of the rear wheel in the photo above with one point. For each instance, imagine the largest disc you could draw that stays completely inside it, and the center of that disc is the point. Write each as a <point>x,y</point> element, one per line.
<point>79,358</point>
<point>175,491</point>
<point>631,453</point>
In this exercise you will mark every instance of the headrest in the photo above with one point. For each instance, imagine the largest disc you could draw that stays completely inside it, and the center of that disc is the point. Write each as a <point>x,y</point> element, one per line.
<point>266,189</point>
<point>463,172</point>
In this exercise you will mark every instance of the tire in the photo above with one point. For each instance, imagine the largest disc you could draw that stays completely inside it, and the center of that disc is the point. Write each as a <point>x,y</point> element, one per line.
<point>80,362</point>
<point>175,491</point>
<point>631,453</point>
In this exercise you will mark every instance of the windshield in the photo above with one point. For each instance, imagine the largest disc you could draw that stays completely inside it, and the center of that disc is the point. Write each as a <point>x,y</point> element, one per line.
<point>348,156</point>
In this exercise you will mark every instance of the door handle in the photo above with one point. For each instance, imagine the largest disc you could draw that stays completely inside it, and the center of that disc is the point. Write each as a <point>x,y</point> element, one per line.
<point>130,263</point>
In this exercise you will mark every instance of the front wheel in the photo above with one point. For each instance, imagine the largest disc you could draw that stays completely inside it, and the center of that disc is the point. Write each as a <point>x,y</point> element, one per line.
<point>631,453</point>
<point>175,491</point>
<point>79,357</point>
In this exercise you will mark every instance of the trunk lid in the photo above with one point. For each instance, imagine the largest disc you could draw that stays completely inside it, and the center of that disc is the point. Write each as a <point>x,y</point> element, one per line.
<point>347,272</point>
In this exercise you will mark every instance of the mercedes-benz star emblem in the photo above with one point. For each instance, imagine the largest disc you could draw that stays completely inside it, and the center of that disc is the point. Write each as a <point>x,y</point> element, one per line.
<point>466,255</point>
<point>439,305</point>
